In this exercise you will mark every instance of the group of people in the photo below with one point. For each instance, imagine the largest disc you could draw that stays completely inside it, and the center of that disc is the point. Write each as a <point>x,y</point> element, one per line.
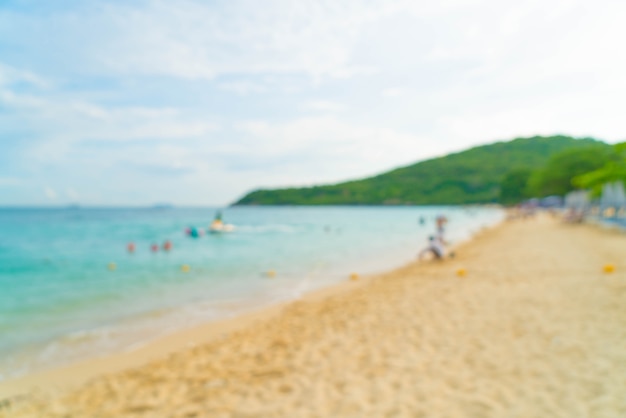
<point>154,247</point>
<point>437,243</point>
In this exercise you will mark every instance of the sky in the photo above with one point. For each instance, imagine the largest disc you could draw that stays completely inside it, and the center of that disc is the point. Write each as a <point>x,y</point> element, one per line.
<point>139,102</point>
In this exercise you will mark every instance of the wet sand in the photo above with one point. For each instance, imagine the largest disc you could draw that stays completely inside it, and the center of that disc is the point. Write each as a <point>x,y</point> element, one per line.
<point>534,328</point>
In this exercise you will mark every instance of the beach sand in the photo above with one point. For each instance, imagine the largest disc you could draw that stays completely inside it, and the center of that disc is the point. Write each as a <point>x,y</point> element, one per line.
<point>534,328</point>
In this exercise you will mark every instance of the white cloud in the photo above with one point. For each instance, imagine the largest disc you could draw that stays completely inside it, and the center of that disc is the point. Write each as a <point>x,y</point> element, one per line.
<point>392,92</point>
<point>112,85</point>
<point>193,40</point>
<point>72,194</point>
<point>331,145</point>
<point>82,120</point>
<point>566,115</point>
<point>50,193</point>
<point>12,100</point>
<point>198,40</point>
<point>76,141</point>
<point>11,75</point>
<point>243,87</point>
<point>324,106</point>
<point>10,181</point>
<point>64,123</point>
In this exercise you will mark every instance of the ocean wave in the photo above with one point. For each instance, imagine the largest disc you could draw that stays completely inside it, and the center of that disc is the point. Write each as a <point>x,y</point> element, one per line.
<point>260,229</point>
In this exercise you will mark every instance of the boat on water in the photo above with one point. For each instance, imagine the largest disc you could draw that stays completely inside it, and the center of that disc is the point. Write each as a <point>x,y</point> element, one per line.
<point>218,226</point>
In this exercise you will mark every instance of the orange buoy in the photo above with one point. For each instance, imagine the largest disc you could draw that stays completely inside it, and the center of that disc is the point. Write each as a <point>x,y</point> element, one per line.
<point>271,274</point>
<point>354,276</point>
<point>112,266</point>
<point>154,248</point>
<point>608,268</point>
<point>131,247</point>
<point>167,245</point>
<point>185,268</point>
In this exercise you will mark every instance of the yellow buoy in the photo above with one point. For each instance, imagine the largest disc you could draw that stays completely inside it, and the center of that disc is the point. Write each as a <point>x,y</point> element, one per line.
<point>354,276</point>
<point>112,266</point>
<point>608,268</point>
<point>185,268</point>
<point>461,272</point>
<point>270,273</point>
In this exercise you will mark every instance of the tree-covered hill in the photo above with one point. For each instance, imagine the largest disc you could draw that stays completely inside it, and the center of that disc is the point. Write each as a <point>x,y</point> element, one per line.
<point>470,176</point>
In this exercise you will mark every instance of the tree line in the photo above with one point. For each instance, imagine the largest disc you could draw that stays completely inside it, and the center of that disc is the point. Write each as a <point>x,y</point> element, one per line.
<point>504,172</point>
<point>587,167</point>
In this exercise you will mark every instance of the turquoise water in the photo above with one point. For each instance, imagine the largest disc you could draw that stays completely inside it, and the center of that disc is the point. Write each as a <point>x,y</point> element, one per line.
<point>59,301</point>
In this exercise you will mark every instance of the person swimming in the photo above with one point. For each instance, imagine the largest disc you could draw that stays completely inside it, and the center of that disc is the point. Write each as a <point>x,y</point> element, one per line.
<point>193,232</point>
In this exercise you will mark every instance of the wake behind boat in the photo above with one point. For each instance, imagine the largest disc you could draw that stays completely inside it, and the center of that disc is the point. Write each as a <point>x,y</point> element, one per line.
<point>221,227</point>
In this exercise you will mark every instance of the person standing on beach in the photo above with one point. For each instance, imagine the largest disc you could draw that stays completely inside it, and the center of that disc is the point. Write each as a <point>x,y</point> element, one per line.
<point>437,243</point>
<point>441,221</point>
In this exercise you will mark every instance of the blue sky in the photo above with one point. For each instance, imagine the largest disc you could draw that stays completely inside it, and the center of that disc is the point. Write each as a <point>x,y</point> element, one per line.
<point>198,102</point>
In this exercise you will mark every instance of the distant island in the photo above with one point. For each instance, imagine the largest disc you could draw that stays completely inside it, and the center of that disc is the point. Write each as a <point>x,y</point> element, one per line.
<point>502,172</point>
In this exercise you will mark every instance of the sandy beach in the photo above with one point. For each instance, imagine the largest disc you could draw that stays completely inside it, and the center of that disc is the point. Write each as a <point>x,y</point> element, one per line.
<point>534,328</point>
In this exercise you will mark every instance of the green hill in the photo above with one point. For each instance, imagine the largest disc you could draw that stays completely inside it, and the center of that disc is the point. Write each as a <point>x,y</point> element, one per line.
<point>470,176</point>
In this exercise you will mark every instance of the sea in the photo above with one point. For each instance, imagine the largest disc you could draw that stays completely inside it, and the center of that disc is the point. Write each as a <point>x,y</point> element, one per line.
<point>70,290</point>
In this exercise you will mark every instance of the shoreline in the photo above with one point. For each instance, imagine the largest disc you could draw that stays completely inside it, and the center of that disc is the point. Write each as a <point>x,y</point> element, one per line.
<point>74,374</point>
<point>68,375</point>
<point>135,314</point>
<point>534,326</point>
